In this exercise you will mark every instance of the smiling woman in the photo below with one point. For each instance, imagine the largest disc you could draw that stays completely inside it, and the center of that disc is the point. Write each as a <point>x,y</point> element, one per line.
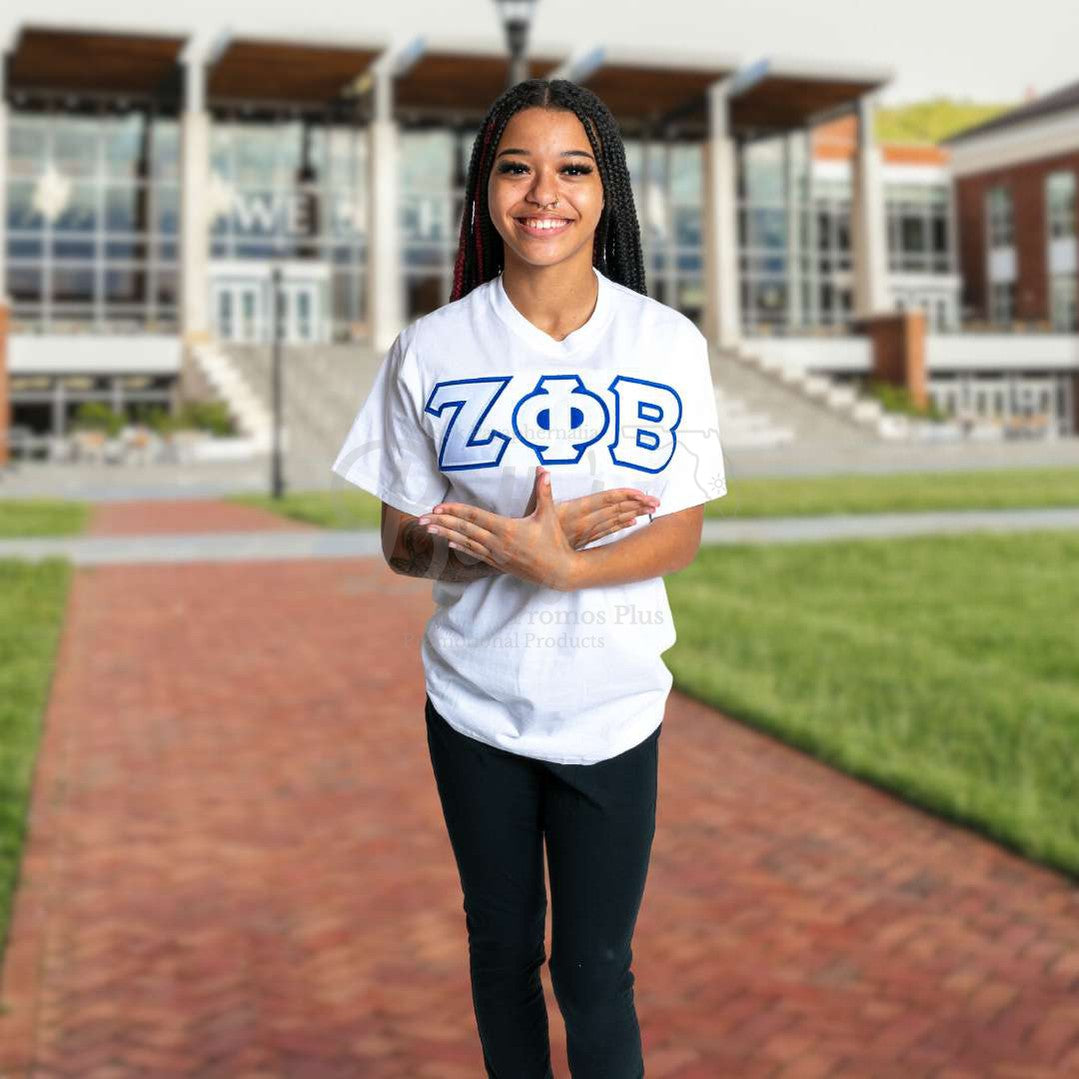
<point>517,436</point>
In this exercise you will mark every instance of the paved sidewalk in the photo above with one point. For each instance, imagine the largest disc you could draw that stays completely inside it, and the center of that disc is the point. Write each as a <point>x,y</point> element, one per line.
<point>200,543</point>
<point>237,867</point>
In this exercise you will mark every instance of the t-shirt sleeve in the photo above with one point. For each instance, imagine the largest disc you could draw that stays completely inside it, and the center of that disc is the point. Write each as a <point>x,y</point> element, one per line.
<point>696,472</point>
<point>388,451</point>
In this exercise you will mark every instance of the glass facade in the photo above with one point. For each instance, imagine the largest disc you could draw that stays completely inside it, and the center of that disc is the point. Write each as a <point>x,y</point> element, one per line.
<point>93,222</point>
<point>794,238</point>
<point>432,164</point>
<point>292,192</point>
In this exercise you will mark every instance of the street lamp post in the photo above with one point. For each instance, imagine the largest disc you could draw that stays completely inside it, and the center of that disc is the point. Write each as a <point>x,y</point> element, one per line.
<point>277,479</point>
<point>516,20</point>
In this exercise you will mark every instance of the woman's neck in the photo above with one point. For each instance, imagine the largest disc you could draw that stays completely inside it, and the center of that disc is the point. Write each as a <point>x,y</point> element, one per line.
<point>556,299</point>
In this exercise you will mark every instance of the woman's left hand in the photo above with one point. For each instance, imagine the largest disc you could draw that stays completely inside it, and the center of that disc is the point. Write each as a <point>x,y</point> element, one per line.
<point>533,547</point>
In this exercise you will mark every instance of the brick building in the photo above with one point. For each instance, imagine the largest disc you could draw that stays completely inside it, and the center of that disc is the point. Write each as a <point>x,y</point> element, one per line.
<point>1016,199</point>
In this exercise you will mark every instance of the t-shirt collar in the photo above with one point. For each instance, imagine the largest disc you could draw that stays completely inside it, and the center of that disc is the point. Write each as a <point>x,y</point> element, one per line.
<point>581,338</point>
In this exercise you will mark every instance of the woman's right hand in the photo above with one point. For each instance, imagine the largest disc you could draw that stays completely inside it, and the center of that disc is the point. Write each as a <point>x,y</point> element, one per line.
<point>590,517</point>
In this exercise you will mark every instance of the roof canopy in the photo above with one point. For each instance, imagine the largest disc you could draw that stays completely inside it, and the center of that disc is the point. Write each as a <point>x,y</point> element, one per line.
<point>92,61</point>
<point>781,95</point>
<point>647,89</point>
<point>440,80</point>
<point>287,71</point>
<point>458,79</point>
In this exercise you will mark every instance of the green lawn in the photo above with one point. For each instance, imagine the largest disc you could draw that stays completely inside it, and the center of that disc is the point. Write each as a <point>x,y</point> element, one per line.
<point>795,496</point>
<point>28,517</point>
<point>944,668</point>
<point>32,602</point>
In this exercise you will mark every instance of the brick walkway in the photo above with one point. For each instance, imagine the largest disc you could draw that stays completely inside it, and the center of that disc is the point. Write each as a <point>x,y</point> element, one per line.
<point>237,867</point>
<point>137,518</point>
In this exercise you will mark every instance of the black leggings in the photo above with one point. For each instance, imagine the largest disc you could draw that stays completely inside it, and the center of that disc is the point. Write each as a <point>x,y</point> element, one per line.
<point>599,820</point>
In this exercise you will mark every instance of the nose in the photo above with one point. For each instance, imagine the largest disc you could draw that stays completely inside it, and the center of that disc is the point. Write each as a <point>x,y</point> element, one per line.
<point>544,189</point>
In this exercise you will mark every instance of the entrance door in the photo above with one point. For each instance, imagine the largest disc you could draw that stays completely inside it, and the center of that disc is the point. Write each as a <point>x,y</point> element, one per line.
<point>242,302</point>
<point>238,311</point>
<point>301,316</point>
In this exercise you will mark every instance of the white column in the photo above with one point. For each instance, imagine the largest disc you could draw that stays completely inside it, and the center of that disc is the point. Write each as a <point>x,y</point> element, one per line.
<point>194,203</point>
<point>868,235</point>
<point>384,285</point>
<point>794,245</point>
<point>722,315</point>
<point>645,205</point>
<point>3,183</point>
<point>813,272</point>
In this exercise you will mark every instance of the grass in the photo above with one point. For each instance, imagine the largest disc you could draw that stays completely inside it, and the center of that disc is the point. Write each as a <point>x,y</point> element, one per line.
<point>344,509</point>
<point>772,496</point>
<point>349,507</point>
<point>943,668</point>
<point>29,517</point>
<point>33,596</point>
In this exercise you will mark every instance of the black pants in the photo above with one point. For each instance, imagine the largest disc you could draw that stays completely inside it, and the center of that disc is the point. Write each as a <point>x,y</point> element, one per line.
<point>599,821</point>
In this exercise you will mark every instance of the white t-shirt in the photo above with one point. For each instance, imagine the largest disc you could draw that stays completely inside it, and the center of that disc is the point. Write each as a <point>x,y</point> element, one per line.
<point>469,399</point>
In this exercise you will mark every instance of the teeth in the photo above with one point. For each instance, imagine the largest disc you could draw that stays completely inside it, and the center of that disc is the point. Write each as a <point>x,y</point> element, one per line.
<point>544,224</point>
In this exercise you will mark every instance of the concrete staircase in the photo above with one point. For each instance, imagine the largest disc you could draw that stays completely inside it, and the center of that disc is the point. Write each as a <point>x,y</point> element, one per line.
<point>324,386</point>
<point>760,408</point>
<point>770,382</point>
<point>247,404</point>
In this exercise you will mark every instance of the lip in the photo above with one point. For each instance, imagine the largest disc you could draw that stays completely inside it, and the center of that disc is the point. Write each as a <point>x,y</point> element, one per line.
<point>556,231</point>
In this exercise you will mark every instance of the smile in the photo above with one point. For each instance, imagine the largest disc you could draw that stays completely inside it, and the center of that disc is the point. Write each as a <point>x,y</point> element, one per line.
<point>531,226</point>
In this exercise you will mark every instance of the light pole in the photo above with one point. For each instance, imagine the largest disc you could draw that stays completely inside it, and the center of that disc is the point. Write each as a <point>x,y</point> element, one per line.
<point>516,18</point>
<point>277,481</point>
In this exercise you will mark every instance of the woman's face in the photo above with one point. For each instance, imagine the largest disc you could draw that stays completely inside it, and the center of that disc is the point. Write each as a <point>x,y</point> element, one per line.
<point>544,168</point>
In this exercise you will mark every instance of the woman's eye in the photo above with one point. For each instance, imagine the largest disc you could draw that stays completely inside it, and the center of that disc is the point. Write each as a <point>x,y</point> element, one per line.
<point>512,167</point>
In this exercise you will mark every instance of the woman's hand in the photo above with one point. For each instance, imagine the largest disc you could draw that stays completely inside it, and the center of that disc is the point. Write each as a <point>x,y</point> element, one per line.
<point>534,547</point>
<point>591,517</point>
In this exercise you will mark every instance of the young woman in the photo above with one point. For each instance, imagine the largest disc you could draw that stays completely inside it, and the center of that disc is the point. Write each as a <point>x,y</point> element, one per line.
<point>543,445</point>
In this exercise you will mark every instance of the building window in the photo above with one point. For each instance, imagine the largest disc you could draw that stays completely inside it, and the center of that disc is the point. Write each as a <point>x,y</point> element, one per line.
<point>999,215</point>
<point>1060,204</point>
<point>1063,303</point>
<point>918,228</point>
<point>1001,301</point>
<point>93,221</point>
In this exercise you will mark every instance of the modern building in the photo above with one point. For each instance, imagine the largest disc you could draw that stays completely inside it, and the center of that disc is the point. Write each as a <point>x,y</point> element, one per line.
<point>153,183</point>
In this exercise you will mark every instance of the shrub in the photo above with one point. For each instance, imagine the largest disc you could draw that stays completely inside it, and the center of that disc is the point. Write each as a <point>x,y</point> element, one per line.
<point>97,416</point>
<point>898,399</point>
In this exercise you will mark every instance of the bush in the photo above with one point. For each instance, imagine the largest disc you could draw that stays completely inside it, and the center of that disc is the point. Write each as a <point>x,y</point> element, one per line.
<point>210,416</point>
<point>898,399</point>
<point>97,416</point>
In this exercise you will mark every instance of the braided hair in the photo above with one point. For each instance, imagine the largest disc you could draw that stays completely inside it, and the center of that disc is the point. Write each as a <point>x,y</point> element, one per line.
<point>616,247</point>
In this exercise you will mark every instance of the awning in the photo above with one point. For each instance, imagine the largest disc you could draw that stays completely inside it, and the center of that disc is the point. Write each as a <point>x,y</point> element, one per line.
<point>285,71</point>
<point>652,88</point>
<point>775,95</point>
<point>440,78</point>
<point>94,62</point>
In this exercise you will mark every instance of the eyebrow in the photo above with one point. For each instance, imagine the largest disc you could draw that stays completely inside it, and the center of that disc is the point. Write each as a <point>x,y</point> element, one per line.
<point>565,153</point>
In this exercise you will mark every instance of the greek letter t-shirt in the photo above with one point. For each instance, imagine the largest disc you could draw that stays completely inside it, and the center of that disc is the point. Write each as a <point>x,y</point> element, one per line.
<point>469,399</point>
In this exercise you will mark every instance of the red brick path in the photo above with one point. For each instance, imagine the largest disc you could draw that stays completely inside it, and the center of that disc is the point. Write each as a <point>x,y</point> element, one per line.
<point>237,867</point>
<point>171,516</point>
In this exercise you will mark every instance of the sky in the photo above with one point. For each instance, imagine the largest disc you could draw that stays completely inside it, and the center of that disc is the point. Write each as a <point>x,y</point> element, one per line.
<point>992,53</point>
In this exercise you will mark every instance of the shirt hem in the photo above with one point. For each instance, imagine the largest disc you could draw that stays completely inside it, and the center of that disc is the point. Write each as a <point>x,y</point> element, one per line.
<point>469,733</point>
